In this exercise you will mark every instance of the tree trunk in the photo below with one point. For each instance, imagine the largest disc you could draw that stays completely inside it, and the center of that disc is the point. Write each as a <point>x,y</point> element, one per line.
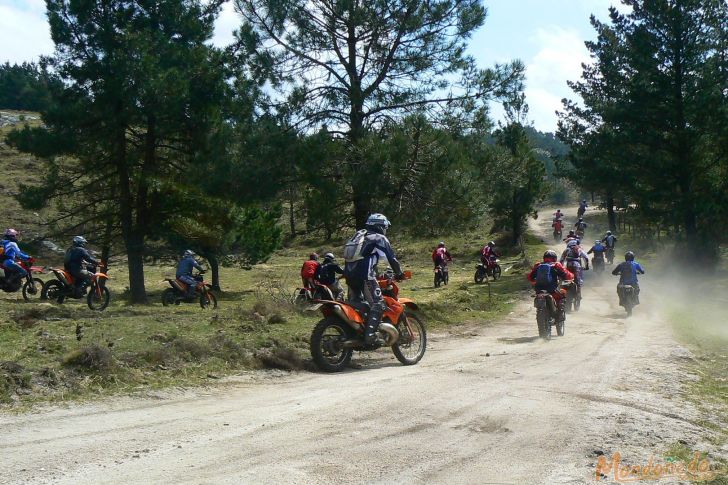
<point>135,256</point>
<point>215,271</point>
<point>611,216</point>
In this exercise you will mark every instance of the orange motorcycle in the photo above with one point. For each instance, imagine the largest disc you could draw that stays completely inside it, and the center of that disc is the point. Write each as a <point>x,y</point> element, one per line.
<point>341,331</point>
<point>178,293</point>
<point>65,286</point>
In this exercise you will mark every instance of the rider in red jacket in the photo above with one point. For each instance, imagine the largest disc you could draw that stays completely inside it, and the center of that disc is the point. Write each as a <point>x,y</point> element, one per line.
<point>488,254</point>
<point>441,256</point>
<point>557,272</point>
<point>308,271</point>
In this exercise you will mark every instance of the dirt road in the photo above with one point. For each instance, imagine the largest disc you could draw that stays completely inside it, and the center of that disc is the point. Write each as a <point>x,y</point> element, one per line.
<point>491,405</point>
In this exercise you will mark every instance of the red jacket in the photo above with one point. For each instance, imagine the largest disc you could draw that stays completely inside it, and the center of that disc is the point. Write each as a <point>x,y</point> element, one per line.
<point>440,255</point>
<point>308,270</point>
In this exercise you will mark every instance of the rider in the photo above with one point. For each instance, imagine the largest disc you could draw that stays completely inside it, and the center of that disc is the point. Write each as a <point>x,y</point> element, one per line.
<point>488,254</point>
<point>573,255</point>
<point>558,215</point>
<point>184,272</point>
<point>74,260</point>
<point>580,225</point>
<point>571,237</point>
<point>13,271</point>
<point>326,274</point>
<point>548,279</point>
<point>628,271</point>
<point>308,271</point>
<point>582,207</point>
<point>598,250</point>
<point>441,256</point>
<point>611,241</point>
<point>361,270</point>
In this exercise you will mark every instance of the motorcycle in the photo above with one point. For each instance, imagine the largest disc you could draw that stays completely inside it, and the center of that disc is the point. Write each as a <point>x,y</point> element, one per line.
<point>318,292</point>
<point>547,313</point>
<point>341,331</point>
<point>598,264</point>
<point>580,234</point>
<point>64,286</point>
<point>610,255</point>
<point>493,270</point>
<point>628,297</point>
<point>442,275</point>
<point>558,228</point>
<point>580,212</point>
<point>30,286</point>
<point>178,293</point>
<point>573,291</point>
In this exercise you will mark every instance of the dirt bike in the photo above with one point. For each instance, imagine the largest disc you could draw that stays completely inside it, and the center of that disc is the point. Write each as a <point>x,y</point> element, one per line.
<point>341,331</point>
<point>493,270</point>
<point>598,265</point>
<point>65,286</point>
<point>573,291</point>
<point>580,233</point>
<point>178,292</point>
<point>628,298</point>
<point>318,292</point>
<point>610,255</point>
<point>30,286</point>
<point>558,229</point>
<point>547,312</point>
<point>581,211</point>
<point>442,275</point>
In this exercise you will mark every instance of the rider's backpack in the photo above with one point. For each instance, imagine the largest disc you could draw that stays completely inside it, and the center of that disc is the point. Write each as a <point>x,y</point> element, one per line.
<point>544,276</point>
<point>353,247</point>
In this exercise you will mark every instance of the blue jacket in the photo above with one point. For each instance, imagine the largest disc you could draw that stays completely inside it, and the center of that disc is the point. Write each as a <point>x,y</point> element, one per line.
<point>627,272</point>
<point>12,251</point>
<point>598,250</point>
<point>185,267</point>
<point>376,246</point>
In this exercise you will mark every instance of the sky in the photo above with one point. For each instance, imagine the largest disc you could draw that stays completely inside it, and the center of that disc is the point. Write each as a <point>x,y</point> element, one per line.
<point>547,35</point>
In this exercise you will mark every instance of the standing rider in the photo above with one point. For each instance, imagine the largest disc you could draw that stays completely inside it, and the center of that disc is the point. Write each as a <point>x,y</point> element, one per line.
<point>628,271</point>
<point>74,261</point>
<point>13,271</point>
<point>573,255</point>
<point>362,253</point>
<point>545,276</point>
<point>441,256</point>
<point>488,254</point>
<point>184,272</point>
<point>326,274</point>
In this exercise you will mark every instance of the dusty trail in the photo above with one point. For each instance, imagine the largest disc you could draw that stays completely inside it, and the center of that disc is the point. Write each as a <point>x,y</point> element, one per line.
<point>492,405</point>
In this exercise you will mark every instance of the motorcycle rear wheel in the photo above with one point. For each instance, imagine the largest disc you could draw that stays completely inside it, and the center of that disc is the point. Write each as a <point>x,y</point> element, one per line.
<point>208,300</point>
<point>542,320</point>
<point>35,290</point>
<point>326,350</point>
<point>169,296</point>
<point>53,290</point>
<point>479,275</point>
<point>436,283</point>
<point>411,346</point>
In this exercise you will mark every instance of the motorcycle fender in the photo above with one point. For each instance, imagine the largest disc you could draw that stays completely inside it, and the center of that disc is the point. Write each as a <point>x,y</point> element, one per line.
<point>409,303</point>
<point>102,276</point>
<point>539,303</point>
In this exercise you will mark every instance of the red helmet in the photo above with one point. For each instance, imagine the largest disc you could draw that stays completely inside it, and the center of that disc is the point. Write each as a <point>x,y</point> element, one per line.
<point>11,233</point>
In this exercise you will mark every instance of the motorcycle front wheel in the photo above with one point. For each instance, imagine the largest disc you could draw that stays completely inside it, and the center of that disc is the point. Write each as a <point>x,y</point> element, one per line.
<point>496,272</point>
<point>327,349</point>
<point>208,300</point>
<point>98,298</point>
<point>31,288</point>
<point>412,343</point>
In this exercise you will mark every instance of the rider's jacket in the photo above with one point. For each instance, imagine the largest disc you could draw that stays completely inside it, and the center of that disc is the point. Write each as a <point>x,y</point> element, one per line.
<point>186,265</point>
<point>441,256</point>
<point>12,251</point>
<point>598,250</point>
<point>610,241</point>
<point>557,271</point>
<point>573,255</point>
<point>627,272</point>
<point>580,226</point>
<point>375,247</point>
<point>326,273</point>
<point>75,256</point>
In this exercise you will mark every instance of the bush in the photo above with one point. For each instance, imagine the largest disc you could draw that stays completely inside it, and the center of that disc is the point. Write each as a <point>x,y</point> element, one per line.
<point>93,357</point>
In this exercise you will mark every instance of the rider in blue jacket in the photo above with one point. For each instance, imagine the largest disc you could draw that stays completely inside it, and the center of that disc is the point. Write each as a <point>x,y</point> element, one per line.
<point>184,272</point>
<point>361,275</point>
<point>11,251</point>
<point>628,271</point>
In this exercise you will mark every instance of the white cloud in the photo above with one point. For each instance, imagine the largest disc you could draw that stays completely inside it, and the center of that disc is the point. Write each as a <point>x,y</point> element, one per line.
<point>558,59</point>
<point>226,23</point>
<point>24,32</point>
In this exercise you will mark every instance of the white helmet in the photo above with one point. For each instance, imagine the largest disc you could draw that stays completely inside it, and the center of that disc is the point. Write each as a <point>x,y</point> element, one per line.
<point>188,253</point>
<point>572,243</point>
<point>378,223</point>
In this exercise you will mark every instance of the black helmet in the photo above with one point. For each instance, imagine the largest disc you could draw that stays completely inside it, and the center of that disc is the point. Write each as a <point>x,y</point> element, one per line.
<point>629,256</point>
<point>378,223</point>
<point>550,254</point>
<point>491,244</point>
<point>79,241</point>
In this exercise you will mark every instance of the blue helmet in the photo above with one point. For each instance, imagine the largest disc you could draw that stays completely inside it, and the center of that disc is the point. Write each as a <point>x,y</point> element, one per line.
<point>378,223</point>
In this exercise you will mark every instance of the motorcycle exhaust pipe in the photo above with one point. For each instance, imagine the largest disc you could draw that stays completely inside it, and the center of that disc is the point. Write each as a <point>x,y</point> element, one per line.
<point>391,332</point>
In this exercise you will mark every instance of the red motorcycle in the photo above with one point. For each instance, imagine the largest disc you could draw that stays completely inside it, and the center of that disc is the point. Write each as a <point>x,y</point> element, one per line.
<point>558,229</point>
<point>341,331</point>
<point>30,286</point>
